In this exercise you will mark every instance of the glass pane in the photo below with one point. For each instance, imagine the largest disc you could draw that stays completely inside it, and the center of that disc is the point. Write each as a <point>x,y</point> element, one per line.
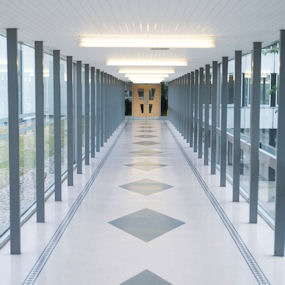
<point>164,98</point>
<point>151,93</point>
<point>128,99</point>
<point>150,108</point>
<point>4,158</point>
<point>27,128</point>
<point>63,98</point>
<point>141,93</point>
<point>245,122</point>
<point>48,121</point>
<point>230,117</point>
<point>268,126</point>
<point>142,108</point>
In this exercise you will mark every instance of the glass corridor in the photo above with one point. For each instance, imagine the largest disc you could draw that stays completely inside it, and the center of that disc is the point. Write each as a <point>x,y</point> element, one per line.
<point>27,125</point>
<point>268,123</point>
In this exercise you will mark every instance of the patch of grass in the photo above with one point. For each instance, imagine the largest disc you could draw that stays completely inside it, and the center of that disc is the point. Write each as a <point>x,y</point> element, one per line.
<point>27,149</point>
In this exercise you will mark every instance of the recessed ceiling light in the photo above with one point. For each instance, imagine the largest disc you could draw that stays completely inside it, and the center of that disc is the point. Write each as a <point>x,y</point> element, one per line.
<point>147,62</point>
<point>146,70</point>
<point>147,41</point>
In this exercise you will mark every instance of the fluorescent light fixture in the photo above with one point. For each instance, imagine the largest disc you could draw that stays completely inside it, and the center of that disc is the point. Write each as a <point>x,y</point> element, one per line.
<point>147,62</point>
<point>147,41</point>
<point>147,75</point>
<point>146,81</point>
<point>146,70</point>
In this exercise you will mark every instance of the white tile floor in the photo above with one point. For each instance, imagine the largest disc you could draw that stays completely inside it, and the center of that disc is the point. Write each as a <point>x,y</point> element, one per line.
<point>92,251</point>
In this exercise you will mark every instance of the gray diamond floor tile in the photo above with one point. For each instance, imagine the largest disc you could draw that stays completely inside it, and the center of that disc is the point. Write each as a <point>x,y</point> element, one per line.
<point>146,278</point>
<point>146,187</point>
<point>146,224</point>
<point>146,152</point>
<point>146,165</point>
<point>146,143</point>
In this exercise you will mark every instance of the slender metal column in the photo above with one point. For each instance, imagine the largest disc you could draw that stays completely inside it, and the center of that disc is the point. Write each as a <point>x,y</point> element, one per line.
<point>280,170</point>
<point>237,106</point>
<point>98,108</point>
<point>200,112</point>
<point>214,118</point>
<point>13,119</point>
<point>87,115</point>
<point>70,136</point>
<point>196,111</point>
<point>206,125</point>
<point>184,106</point>
<point>102,112</point>
<point>188,107</point>
<point>93,111</point>
<point>40,160</point>
<point>57,124</point>
<point>254,131</point>
<point>191,111</point>
<point>79,116</point>
<point>224,101</point>
<point>106,117</point>
<point>178,105</point>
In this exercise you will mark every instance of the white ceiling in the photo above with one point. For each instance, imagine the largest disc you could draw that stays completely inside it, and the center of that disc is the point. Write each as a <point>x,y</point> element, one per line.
<point>236,23</point>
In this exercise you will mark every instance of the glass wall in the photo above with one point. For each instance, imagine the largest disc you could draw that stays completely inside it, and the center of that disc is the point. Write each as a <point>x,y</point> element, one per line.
<point>27,126</point>
<point>245,122</point>
<point>268,125</point>
<point>48,121</point>
<point>63,113</point>
<point>230,116</point>
<point>128,99</point>
<point>4,154</point>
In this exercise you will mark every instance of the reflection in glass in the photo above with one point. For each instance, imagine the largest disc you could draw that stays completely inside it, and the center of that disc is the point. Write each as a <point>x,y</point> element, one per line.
<point>48,121</point>
<point>141,93</point>
<point>151,93</point>
<point>63,113</point>
<point>230,116</point>
<point>268,125</point>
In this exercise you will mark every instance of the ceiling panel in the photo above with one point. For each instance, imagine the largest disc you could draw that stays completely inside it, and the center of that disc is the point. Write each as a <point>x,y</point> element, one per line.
<point>236,23</point>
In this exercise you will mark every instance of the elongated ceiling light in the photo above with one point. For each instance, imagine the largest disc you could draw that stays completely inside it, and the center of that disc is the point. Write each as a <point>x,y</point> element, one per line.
<point>146,70</point>
<point>147,41</point>
<point>147,75</point>
<point>147,62</point>
<point>147,80</point>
